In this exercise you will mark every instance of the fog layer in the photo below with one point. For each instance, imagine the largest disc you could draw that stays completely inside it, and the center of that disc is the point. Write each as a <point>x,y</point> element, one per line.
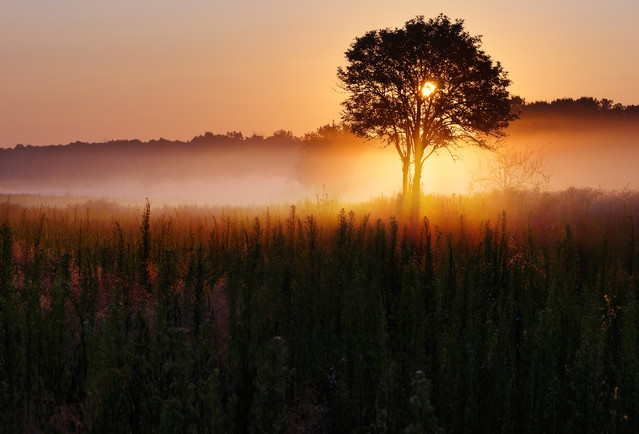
<point>595,148</point>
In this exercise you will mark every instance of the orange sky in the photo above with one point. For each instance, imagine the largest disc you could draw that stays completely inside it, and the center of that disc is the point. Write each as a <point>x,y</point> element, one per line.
<point>93,71</point>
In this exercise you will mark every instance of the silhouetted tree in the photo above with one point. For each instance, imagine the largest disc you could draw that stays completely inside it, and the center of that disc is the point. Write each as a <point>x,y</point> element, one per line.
<point>421,88</point>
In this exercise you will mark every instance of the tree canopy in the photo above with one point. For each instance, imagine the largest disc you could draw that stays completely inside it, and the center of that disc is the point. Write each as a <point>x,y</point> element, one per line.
<point>424,87</point>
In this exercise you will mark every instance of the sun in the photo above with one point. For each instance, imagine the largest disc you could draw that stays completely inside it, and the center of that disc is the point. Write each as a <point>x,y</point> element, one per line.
<point>428,88</point>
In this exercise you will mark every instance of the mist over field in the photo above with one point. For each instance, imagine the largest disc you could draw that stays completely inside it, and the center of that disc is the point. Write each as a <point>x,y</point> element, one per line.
<point>225,169</point>
<point>580,147</point>
<point>583,149</point>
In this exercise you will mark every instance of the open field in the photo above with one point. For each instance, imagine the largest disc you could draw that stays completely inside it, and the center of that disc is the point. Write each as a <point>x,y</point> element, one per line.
<point>514,312</point>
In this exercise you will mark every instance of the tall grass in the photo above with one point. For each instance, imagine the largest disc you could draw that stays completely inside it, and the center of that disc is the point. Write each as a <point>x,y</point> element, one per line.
<point>502,312</point>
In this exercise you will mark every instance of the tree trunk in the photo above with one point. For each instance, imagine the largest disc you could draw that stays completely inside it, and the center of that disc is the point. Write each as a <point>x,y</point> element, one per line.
<point>405,186</point>
<point>417,183</point>
<point>418,153</point>
<point>416,195</point>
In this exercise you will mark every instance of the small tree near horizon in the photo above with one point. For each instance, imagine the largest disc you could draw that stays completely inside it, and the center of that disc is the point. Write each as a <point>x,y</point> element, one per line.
<point>422,88</point>
<point>512,168</point>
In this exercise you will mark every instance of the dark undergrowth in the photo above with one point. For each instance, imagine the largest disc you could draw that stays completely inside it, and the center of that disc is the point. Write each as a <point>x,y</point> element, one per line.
<point>514,312</point>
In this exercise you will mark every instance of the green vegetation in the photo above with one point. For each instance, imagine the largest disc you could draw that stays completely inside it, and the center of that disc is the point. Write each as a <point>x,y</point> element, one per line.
<point>502,312</point>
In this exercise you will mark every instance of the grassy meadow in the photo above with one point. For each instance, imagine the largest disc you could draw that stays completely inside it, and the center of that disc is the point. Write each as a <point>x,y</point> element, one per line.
<point>499,312</point>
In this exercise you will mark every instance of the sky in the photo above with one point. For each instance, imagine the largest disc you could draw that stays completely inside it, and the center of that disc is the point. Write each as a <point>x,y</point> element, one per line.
<point>122,69</point>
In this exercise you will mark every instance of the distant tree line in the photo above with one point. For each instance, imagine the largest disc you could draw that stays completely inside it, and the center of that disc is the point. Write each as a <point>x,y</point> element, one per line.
<point>584,106</point>
<point>204,157</point>
<point>207,139</point>
<point>309,159</point>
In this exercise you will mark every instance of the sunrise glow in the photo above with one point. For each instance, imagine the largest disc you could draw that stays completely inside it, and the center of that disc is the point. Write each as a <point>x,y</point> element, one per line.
<point>428,88</point>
